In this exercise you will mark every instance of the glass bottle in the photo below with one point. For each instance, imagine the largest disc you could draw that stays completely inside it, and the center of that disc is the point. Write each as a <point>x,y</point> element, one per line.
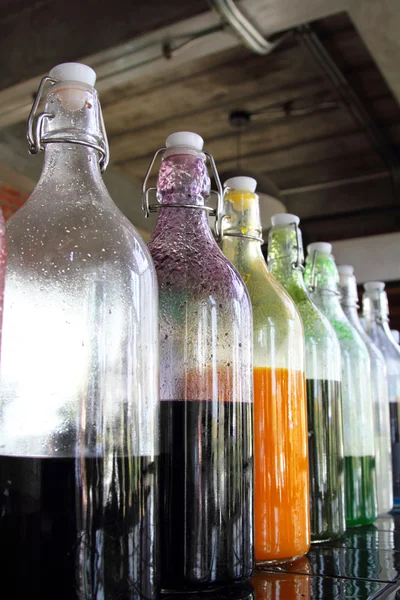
<point>322,278</point>
<point>206,481</point>
<point>323,383</point>
<point>281,483</point>
<point>376,315</point>
<point>79,415</point>
<point>379,391</point>
<point>3,263</point>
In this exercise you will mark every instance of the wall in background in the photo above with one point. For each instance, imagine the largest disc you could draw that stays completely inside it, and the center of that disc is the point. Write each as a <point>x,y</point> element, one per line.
<point>374,258</point>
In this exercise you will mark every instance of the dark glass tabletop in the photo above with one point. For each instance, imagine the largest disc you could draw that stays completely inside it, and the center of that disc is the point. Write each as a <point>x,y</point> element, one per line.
<point>364,564</point>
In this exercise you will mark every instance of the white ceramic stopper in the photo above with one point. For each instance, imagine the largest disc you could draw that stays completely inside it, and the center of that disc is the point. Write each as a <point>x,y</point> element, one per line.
<point>345,270</point>
<point>374,286</point>
<point>185,139</point>
<point>74,72</point>
<point>284,219</point>
<point>244,184</point>
<point>73,79</point>
<point>323,247</point>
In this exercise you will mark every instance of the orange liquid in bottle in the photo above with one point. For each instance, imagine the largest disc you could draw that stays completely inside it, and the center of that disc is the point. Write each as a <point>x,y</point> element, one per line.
<point>281,477</point>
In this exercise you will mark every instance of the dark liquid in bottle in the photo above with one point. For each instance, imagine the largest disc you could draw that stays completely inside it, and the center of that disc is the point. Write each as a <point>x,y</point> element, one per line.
<point>325,451</point>
<point>361,507</point>
<point>78,529</point>
<point>206,493</point>
<point>395,439</point>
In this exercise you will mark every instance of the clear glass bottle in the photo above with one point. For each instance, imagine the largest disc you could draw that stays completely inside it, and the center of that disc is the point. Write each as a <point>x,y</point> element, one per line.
<point>281,484</point>
<point>323,382</point>
<point>376,315</point>
<point>79,418</point>
<point>322,279</point>
<point>206,481</point>
<point>379,390</point>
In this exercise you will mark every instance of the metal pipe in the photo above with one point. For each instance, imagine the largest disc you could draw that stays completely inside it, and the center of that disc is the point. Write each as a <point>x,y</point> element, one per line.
<point>251,37</point>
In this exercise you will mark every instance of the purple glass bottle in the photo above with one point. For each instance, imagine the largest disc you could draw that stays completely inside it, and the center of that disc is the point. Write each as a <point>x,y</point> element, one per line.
<point>206,485</point>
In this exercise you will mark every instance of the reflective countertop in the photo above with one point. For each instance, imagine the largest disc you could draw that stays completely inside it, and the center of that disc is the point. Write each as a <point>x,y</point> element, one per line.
<point>364,564</point>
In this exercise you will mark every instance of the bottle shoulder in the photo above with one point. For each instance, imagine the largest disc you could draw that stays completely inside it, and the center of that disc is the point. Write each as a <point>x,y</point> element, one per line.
<point>269,298</point>
<point>317,328</point>
<point>196,264</point>
<point>74,236</point>
<point>388,349</point>
<point>349,338</point>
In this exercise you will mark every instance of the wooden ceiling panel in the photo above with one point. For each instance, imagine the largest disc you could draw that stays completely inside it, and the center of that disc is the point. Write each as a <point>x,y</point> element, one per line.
<point>262,138</point>
<point>303,155</point>
<point>235,81</point>
<point>211,123</point>
<point>196,67</point>
<point>341,200</point>
<point>356,164</point>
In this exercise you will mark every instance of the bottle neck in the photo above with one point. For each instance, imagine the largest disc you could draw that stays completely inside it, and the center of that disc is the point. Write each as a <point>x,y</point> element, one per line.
<point>328,301</point>
<point>241,241</point>
<point>242,215</point>
<point>72,115</point>
<point>349,299</point>
<point>67,164</point>
<point>242,251</point>
<point>376,307</point>
<point>73,137</point>
<point>285,259</point>
<point>183,180</point>
<point>322,277</point>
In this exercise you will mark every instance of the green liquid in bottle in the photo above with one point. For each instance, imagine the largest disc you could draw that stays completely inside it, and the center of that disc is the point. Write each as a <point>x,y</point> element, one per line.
<point>360,480</point>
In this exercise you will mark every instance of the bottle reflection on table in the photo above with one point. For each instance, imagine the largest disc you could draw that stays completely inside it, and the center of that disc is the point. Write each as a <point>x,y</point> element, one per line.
<point>292,583</point>
<point>236,592</point>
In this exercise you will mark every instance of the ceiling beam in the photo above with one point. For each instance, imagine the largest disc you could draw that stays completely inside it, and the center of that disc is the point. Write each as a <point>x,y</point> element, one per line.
<point>351,196</point>
<point>377,22</point>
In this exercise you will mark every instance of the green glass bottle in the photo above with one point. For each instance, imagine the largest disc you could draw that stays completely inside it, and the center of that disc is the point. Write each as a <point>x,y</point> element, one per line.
<point>322,279</point>
<point>281,473</point>
<point>323,379</point>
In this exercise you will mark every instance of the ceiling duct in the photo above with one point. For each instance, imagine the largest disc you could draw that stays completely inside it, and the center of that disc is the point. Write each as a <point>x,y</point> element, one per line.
<point>248,33</point>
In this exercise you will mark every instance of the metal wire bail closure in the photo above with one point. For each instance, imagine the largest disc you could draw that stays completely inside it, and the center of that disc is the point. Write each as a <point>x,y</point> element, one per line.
<point>312,286</point>
<point>298,265</point>
<point>214,212</point>
<point>34,132</point>
<point>225,217</point>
